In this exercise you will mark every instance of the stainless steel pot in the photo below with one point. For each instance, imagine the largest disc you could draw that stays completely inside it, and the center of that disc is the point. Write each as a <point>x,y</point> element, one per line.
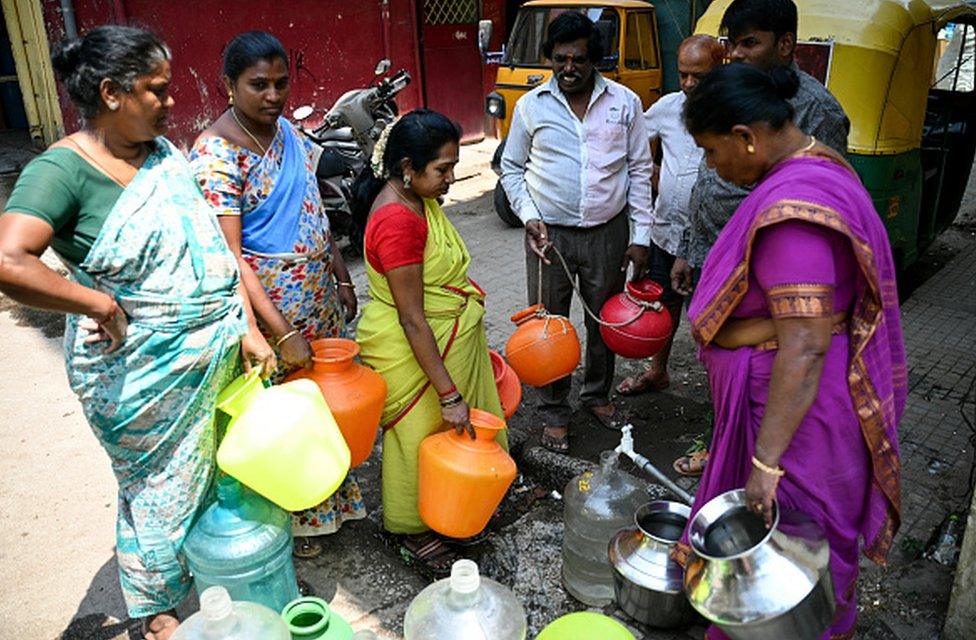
<point>647,584</point>
<point>759,584</point>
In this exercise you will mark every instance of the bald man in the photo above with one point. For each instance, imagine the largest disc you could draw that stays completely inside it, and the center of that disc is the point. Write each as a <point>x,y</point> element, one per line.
<point>680,158</point>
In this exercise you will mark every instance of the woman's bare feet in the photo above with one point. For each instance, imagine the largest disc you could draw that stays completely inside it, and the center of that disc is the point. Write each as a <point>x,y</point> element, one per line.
<point>160,626</point>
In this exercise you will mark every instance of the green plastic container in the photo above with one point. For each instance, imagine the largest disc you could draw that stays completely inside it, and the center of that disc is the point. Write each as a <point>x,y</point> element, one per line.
<point>585,625</point>
<point>311,618</point>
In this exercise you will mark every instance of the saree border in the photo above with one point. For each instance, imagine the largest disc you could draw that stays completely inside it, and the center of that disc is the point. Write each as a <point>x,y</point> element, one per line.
<point>872,413</point>
<point>420,394</point>
<point>801,300</point>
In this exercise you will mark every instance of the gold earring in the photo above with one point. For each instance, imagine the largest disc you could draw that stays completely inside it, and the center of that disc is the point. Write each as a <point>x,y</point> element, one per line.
<point>230,99</point>
<point>750,148</point>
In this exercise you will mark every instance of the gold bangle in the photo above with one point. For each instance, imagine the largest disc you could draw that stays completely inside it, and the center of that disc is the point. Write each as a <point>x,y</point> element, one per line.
<point>779,472</point>
<point>285,337</point>
<point>345,284</point>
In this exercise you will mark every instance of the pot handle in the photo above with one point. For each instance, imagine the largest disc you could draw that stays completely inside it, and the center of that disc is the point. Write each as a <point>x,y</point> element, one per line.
<point>526,314</point>
<point>240,393</point>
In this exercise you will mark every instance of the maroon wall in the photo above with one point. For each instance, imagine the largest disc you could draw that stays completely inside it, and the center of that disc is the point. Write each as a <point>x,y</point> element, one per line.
<point>333,46</point>
<point>493,10</point>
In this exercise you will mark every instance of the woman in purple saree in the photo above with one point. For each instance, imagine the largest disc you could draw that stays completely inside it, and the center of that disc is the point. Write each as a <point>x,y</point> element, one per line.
<point>796,314</point>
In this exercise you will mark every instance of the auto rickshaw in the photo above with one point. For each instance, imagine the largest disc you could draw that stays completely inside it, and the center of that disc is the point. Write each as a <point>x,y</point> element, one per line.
<point>909,95</point>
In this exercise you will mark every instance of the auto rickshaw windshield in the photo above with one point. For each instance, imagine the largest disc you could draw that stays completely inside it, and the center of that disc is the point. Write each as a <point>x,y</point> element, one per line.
<point>529,34</point>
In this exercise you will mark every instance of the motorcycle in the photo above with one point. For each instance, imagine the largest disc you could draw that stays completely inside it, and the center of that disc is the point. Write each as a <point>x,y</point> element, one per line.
<point>345,142</point>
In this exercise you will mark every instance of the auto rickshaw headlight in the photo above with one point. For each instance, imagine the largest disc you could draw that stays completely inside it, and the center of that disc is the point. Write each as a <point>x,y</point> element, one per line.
<point>495,105</point>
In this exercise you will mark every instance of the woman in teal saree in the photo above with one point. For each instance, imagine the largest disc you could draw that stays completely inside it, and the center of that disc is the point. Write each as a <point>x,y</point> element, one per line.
<point>157,319</point>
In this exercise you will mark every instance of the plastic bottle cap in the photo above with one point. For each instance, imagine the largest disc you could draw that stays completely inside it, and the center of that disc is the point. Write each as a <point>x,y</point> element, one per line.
<point>215,603</point>
<point>464,576</point>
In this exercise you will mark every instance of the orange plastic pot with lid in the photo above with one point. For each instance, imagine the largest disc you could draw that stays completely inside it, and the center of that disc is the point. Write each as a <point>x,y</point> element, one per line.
<point>355,394</point>
<point>462,481</point>
<point>544,347</point>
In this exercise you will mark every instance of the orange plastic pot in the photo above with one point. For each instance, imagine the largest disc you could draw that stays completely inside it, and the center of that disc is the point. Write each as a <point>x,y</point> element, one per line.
<point>355,394</point>
<point>544,347</point>
<point>462,481</point>
<point>508,383</point>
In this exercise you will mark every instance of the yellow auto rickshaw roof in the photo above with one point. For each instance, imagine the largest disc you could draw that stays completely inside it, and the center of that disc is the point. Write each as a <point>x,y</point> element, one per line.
<point>873,24</point>
<point>619,4</point>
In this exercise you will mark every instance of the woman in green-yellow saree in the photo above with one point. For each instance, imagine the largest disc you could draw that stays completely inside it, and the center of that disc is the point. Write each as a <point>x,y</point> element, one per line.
<point>422,329</point>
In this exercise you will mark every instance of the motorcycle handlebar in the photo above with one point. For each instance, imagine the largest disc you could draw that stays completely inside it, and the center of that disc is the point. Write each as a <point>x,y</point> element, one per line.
<point>394,84</point>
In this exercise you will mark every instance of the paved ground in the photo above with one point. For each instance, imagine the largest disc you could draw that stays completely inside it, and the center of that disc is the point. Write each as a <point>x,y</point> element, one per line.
<point>56,517</point>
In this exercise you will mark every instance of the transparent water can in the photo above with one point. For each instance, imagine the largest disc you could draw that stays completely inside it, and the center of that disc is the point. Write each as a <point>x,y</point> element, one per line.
<point>598,504</point>
<point>465,606</point>
<point>220,618</point>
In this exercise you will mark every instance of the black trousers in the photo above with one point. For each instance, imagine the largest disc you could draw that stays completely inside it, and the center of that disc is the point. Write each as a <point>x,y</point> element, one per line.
<point>594,256</point>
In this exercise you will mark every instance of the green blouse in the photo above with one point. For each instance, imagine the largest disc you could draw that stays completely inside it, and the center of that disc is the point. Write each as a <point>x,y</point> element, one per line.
<point>70,194</point>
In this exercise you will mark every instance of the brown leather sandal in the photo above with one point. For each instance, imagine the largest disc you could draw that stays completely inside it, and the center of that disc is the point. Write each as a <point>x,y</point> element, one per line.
<point>556,444</point>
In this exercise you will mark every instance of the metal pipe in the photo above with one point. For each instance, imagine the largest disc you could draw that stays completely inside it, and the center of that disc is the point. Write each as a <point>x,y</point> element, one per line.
<point>118,7</point>
<point>385,20</point>
<point>416,26</point>
<point>68,17</point>
<point>626,447</point>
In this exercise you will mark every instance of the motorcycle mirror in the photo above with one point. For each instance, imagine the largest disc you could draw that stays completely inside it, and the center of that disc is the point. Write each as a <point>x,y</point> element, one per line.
<point>382,66</point>
<point>302,112</point>
<point>484,35</point>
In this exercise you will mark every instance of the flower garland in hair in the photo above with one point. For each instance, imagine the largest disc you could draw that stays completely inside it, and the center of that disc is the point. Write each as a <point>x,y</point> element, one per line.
<point>379,150</point>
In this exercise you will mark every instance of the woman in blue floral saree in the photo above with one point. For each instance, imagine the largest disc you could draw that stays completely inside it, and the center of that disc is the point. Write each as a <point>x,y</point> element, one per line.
<point>167,320</point>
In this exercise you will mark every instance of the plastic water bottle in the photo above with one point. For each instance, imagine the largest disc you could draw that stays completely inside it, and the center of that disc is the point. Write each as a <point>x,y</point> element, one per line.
<point>465,607</point>
<point>946,549</point>
<point>243,543</point>
<point>598,505</point>
<point>221,619</point>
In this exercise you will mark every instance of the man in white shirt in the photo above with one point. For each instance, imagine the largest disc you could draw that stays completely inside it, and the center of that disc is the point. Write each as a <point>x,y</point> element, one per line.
<point>577,170</point>
<point>678,171</point>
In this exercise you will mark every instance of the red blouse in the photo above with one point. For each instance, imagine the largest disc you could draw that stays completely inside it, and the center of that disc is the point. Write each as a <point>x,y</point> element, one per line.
<point>395,237</point>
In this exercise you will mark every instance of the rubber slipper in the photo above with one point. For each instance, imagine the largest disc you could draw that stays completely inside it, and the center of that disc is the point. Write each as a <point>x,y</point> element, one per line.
<point>429,553</point>
<point>692,464</point>
<point>306,548</point>
<point>467,542</point>
<point>556,444</point>
<point>638,384</point>
<point>613,422</point>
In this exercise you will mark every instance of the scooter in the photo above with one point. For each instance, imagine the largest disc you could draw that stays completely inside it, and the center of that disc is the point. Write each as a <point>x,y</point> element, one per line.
<point>345,141</point>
